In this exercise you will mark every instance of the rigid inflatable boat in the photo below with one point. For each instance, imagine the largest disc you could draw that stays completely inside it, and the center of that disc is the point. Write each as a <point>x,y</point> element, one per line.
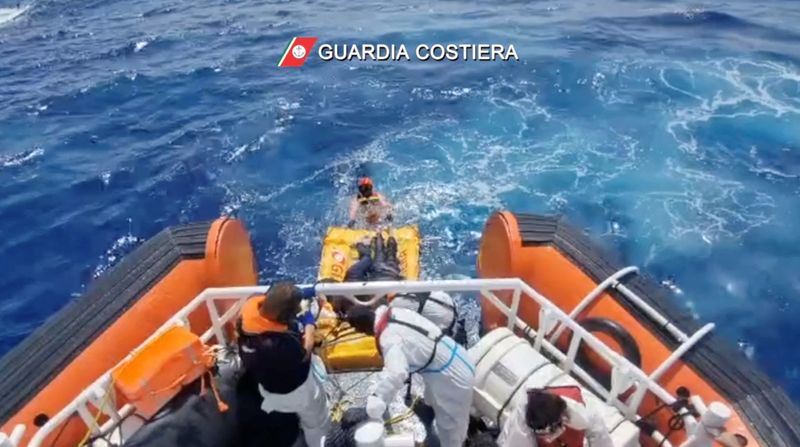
<point>145,356</point>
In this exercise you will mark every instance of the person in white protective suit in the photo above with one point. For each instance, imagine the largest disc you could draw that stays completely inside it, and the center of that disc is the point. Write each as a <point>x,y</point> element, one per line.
<point>554,417</point>
<point>410,343</point>
<point>438,307</point>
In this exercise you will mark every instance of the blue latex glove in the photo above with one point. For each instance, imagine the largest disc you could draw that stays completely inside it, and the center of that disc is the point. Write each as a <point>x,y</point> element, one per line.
<point>308,292</point>
<point>307,319</point>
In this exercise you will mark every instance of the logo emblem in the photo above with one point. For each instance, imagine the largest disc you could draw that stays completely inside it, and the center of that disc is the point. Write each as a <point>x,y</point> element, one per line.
<point>338,257</point>
<point>297,52</point>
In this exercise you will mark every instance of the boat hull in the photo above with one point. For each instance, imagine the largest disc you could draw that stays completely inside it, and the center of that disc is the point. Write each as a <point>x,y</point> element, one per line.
<point>564,265</point>
<point>118,312</point>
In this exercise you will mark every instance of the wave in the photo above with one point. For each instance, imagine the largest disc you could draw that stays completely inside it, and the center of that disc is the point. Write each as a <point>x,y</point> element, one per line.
<point>694,17</point>
<point>702,20</point>
<point>9,14</point>
<point>20,158</point>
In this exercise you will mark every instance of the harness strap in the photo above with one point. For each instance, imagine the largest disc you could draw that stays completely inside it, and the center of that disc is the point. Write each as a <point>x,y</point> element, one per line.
<point>423,298</point>
<point>388,318</point>
<point>427,334</point>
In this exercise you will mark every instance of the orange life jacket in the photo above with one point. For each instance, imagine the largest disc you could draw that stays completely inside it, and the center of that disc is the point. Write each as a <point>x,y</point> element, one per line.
<point>252,322</point>
<point>368,204</point>
<point>375,199</point>
<point>260,340</point>
<point>570,437</point>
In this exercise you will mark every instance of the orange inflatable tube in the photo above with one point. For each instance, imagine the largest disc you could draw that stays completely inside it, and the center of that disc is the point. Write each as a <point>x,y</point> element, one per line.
<point>118,312</point>
<point>563,265</point>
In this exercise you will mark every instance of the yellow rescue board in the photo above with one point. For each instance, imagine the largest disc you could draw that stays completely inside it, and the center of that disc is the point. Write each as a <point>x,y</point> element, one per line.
<point>340,347</point>
<point>338,253</point>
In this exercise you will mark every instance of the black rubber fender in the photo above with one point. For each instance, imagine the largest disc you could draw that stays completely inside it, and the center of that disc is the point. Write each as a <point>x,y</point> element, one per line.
<point>630,349</point>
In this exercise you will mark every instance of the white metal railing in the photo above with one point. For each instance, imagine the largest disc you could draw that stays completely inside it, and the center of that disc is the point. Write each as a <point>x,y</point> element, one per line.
<point>100,395</point>
<point>624,374</point>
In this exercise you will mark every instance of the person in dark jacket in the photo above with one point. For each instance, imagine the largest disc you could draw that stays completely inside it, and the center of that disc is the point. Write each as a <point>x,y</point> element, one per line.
<point>377,261</point>
<point>274,354</point>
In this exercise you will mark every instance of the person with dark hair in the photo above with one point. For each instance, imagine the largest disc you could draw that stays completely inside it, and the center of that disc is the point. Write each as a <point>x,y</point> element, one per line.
<point>554,417</point>
<point>409,343</point>
<point>270,338</point>
<point>370,205</point>
<point>437,306</point>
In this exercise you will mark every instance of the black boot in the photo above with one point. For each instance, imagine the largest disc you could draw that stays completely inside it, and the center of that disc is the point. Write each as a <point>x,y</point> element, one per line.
<point>363,250</point>
<point>380,251</point>
<point>391,250</point>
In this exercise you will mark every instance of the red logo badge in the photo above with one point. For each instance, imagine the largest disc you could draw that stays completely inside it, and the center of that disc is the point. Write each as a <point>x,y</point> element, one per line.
<point>297,52</point>
<point>338,257</point>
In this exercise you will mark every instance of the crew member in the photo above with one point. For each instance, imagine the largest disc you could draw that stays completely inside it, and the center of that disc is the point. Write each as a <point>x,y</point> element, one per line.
<point>274,353</point>
<point>369,204</point>
<point>438,307</point>
<point>554,417</point>
<point>410,343</point>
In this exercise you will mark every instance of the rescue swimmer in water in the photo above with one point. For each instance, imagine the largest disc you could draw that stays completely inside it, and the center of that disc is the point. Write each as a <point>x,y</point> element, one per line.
<point>370,205</point>
<point>554,417</point>
<point>275,345</point>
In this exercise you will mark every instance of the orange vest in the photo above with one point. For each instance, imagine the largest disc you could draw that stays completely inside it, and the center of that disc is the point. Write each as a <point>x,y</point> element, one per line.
<point>372,215</point>
<point>253,322</point>
<point>570,437</point>
<point>374,199</point>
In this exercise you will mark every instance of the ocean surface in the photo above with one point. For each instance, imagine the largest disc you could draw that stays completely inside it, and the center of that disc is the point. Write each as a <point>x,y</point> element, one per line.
<point>668,130</point>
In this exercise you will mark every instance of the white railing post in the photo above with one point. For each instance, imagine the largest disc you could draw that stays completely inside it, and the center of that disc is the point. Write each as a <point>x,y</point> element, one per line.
<point>512,315</point>
<point>574,343</point>
<point>215,321</point>
<point>88,418</point>
<point>611,282</point>
<point>544,322</point>
<point>682,349</point>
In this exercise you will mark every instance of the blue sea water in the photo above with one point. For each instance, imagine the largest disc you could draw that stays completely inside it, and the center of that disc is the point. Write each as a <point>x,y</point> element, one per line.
<point>669,130</point>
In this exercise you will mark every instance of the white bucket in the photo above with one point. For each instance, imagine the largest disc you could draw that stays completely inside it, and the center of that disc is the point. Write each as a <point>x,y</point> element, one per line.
<point>370,434</point>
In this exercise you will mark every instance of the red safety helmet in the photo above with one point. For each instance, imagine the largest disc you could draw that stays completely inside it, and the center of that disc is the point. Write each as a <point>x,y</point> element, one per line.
<point>364,181</point>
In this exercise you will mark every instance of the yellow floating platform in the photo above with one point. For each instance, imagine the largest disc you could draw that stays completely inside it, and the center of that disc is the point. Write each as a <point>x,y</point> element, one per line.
<point>341,348</point>
<point>338,253</point>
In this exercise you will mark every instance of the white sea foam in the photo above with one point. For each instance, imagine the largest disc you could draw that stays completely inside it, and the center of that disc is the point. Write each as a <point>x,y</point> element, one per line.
<point>20,158</point>
<point>7,15</point>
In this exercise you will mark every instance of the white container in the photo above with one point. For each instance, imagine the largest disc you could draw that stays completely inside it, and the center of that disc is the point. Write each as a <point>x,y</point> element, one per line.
<point>506,366</point>
<point>370,434</point>
<point>503,362</point>
<point>405,440</point>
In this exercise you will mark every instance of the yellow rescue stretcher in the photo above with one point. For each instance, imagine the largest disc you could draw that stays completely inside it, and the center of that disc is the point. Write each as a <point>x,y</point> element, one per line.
<point>341,348</point>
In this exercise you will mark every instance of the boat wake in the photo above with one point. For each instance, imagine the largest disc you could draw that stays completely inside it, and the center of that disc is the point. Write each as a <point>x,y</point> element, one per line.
<point>9,14</point>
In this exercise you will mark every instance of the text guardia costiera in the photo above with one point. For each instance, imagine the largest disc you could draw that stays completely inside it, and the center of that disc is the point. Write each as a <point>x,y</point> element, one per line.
<point>423,52</point>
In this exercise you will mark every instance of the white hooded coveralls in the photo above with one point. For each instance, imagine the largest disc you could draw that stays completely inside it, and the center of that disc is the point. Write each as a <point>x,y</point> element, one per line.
<point>448,378</point>
<point>308,401</point>
<point>516,432</point>
<point>439,308</point>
